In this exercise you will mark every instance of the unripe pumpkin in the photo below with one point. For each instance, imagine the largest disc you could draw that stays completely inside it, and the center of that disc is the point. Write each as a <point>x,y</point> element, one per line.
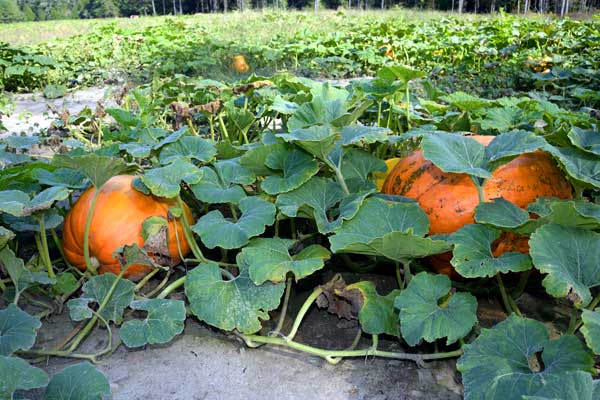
<point>239,64</point>
<point>450,199</point>
<point>117,221</point>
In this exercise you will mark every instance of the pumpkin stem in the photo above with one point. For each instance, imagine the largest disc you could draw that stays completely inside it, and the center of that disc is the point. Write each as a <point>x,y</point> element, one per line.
<point>303,310</point>
<point>45,253</point>
<point>286,299</point>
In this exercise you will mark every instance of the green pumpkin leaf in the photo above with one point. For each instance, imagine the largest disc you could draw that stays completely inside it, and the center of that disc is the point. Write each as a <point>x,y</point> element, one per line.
<point>465,102</point>
<point>501,213</point>
<point>96,289</point>
<point>13,202</point>
<point>17,374</point>
<point>215,230</point>
<point>70,178</point>
<point>512,144</point>
<point>18,330</point>
<point>473,258</point>
<point>570,257</point>
<point>456,154</point>
<point>568,385</point>
<point>400,72</point>
<point>502,362</point>
<point>165,181</point>
<point>586,140</point>
<point>242,304</point>
<point>422,317</point>
<point>364,134</point>
<point>165,320</point>
<point>391,230</point>
<point>22,277</point>
<point>328,104</point>
<point>221,185</point>
<point>79,309</point>
<point>582,166</point>
<point>45,199</point>
<point>591,329</point>
<point>296,168</point>
<point>376,314</point>
<point>357,167</point>
<point>20,142</point>
<point>98,169</point>
<point>52,219</point>
<point>78,382</point>
<point>255,158</point>
<point>268,259</point>
<point>188,148</point>
<point>573,213</point>
<point>317,140</point>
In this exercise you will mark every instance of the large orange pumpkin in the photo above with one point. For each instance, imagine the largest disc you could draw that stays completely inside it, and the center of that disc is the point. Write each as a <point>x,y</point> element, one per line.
<point>450,199</point>
<point>117,220</point>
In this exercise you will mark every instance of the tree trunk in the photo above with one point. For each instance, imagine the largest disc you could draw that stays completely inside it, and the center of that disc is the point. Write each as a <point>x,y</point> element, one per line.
<point>382,4</point>
<point>174,8</point>
<point>180,8</point>
<point>153,8</point>
<point>460,6</point>
<point>225,6</point>
<point>316,5</point>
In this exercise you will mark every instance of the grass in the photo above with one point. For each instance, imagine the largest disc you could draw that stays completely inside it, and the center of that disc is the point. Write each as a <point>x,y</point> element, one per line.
<point>243,26</point>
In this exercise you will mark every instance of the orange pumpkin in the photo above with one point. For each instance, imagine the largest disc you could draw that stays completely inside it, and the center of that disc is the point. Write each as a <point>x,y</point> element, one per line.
<point>117,220</point>
<point>239,64</point>
<point>379,177</point>
<point>450,199</point>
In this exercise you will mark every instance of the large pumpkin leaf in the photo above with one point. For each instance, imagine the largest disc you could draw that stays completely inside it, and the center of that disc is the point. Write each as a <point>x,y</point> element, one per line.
<point>422,317</point>
<point>96,289</point>
<point>376,313</point>
<point>268,259</point>
<point>465,102</point>
<point>97,168</point>
<point>296,168</point>
<point>318,140</point>
<point>78,382</point>
<point>400,72</point>
<point>586,140</point>
<point>188,148</point>
<point>392,230</point>
<point>502,362</point>
<point>591,329</point>
<point>364,134</point>
<point>501,213</point>
<point>70,178</point>
<point>328,104</point>
<point>511,144</point>
<point>357,167</point>
<point>456,153</point>
<point>576,385</point>
<point>17,374</point>
<point>582,166</point>
<point>255,158</point>
<point>221,185</point>
<point>473,258</point>
<point>570,257</point>
<point>5,236</point>
<point>17,330</point>
<point>215,230</point>
<point>164,321</point>
<point>574,213</point>
<point>17,203</point>
<point>242,304</point>
<point>165,181</point>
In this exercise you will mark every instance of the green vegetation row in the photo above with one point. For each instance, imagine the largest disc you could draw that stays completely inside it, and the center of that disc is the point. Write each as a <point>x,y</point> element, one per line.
<point>491,57</point>
<point>279,175</point>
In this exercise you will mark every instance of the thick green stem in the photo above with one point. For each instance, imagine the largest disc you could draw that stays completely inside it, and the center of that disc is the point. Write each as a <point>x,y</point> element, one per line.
<point>223,128</point>
<point>407,274</point>
<point>408,105</point>
<point>45,250</point>
<point>399,276</point>
<point>286,299</point>
<point>187,232</point>
<point>144,281</point>
<point>339,177</point>
<point>58,244</point>
<point>233,212</point>
<point>86,234</point>
<point>507,304</point>
<point>522,283</point>
<point>573,322</point>
<point>171,288</point>
<point>303,310</point>
<point>251,341</point>
<point>92,321</point>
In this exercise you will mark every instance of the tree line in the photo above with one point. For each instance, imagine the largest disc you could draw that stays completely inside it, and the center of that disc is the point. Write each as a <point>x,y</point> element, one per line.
<point>41,10</point>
